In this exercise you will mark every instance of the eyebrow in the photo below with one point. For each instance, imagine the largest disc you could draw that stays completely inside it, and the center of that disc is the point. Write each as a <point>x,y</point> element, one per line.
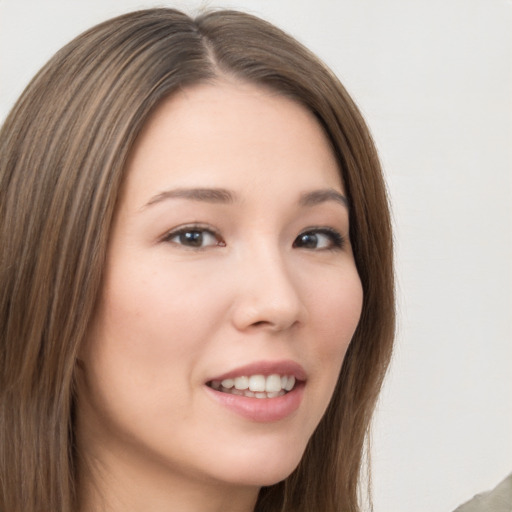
<point>321,196</point>
<point>223,196</point>
<point>208,195</point>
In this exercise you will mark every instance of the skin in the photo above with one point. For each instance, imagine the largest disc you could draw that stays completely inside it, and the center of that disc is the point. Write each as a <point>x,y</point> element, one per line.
<point>172,316</point>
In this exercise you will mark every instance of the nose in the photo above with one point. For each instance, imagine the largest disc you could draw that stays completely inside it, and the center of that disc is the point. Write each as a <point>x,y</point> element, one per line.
<point>267,296</point>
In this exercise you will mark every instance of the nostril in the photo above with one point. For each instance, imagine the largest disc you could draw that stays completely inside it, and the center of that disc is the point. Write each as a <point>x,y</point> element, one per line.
<point>263,307</point>
<point>277,325</point>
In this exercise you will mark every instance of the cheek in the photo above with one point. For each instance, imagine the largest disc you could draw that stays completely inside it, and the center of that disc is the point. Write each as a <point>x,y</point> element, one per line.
<point>338,310</point>
<point>149,335</point>
<point>141,353</point>
<point>336,315</point>
<point>158,316</point>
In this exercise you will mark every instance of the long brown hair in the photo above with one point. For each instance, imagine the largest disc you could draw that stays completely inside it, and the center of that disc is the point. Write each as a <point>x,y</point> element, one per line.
<point>63,150</point>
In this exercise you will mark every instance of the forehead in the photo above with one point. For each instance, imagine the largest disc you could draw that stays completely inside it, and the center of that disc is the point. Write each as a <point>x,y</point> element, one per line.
<point>236,135</point>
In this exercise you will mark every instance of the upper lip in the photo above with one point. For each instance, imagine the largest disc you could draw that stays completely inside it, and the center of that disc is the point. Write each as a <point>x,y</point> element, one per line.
<point>265,368</point>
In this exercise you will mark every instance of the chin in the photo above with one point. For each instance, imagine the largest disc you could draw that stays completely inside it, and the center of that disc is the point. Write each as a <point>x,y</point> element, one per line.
<point>263,469</point>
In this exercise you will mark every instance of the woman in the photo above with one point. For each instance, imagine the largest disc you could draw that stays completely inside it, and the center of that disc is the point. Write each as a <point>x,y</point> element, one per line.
<point>189,322</point>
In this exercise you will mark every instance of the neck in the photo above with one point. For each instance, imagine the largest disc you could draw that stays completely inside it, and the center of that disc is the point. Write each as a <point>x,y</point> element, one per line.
<point>139,488</point>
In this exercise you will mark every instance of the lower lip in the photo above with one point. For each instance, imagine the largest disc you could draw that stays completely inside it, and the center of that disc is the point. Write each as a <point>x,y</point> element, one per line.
<point>262,410</point>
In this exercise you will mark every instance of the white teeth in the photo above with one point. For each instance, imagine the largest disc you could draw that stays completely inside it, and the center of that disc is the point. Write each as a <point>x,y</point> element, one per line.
<point>276,394</point>
<point>257,383</point>
<point>290,383</point>
<point>242,383</point>
<point>228,383</point>
<point>256,386</point>
<point>273,384</point>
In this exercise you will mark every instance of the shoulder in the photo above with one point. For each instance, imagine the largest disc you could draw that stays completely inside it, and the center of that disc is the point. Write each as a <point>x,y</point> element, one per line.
<point>497,500</point>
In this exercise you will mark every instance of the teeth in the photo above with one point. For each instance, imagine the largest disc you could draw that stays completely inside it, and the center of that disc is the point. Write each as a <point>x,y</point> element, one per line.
<point>273,384</point>
<point>256,386</point>
<point>290,383</point>
<point>242,383</point>
<point>257,383</point>
<point>228,383</point>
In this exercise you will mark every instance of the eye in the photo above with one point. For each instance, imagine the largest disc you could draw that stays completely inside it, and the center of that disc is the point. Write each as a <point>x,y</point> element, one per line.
<point>319,239</point>
<point>194,237</point>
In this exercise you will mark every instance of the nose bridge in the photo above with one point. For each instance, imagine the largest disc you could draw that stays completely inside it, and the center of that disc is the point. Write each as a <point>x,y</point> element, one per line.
<point>267,294</point>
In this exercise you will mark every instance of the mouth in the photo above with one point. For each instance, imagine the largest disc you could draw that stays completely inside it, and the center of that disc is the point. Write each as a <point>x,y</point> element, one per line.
<point>256,386</point>
<point>263,391</point>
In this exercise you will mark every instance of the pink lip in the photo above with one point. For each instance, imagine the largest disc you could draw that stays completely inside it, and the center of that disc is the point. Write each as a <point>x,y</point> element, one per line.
<point>263,410</point>
<point>265,368</point>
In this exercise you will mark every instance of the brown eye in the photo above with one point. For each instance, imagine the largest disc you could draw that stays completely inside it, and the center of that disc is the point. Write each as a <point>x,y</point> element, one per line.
<point>194,238</point>
<point>307,241</point>
<point>324,238</point>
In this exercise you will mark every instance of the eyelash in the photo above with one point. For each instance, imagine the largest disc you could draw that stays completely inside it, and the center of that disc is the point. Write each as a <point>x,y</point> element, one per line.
<point>193,228</point>
<point>336,240</point>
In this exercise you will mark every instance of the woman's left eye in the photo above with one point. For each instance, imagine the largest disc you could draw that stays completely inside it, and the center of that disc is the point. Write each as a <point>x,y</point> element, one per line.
<point>194,238</point>
<point>319,239</point>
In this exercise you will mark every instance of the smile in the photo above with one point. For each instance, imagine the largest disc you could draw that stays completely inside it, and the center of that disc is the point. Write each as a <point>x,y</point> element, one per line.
<point>278,384</point>
<point>256,386</point>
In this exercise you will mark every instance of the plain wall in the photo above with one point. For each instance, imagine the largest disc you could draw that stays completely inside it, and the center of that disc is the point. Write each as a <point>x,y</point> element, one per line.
<point>434,80</point>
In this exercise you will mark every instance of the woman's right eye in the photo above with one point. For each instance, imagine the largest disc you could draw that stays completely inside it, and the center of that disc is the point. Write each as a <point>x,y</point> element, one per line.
<point>194,238</point>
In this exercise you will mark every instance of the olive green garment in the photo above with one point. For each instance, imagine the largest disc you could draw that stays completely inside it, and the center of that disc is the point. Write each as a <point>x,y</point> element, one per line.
<point>497,500</point>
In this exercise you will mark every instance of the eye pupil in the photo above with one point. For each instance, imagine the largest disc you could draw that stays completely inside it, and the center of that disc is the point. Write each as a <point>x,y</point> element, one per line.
<point>192,238</point>
<point>308,240</point>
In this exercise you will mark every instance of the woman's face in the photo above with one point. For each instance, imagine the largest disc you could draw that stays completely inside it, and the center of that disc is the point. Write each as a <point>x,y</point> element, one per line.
<point>229,266</point>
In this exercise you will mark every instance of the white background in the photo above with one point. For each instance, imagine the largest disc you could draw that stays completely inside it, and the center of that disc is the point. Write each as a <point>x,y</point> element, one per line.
<point>434,80</point>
